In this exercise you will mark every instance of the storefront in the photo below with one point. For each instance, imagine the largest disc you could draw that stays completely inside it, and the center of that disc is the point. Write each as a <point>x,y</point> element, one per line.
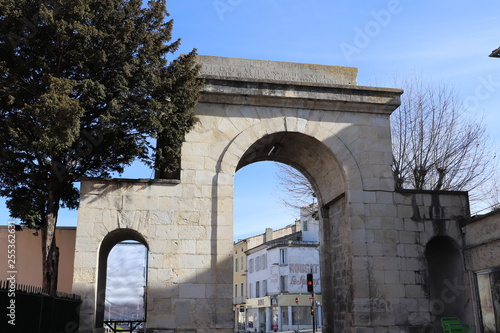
<point>240,318</point>
<point>296,311</point>
<point>488,285</point>
<point>482,256</point>
<point>283,313</point>
<point>259,314</point>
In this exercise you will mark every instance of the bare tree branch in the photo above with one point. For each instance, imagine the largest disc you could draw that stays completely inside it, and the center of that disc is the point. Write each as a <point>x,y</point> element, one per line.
<point>299,192</point>
<point>435,145</point>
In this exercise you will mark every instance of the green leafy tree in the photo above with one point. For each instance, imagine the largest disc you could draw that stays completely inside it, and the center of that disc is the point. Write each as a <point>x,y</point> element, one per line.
<point>85,89</point>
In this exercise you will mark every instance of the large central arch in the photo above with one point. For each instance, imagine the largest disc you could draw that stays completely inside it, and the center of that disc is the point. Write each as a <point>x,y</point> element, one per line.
<point>306,154</point>
<point>327,176</point>
<point>314,118</point>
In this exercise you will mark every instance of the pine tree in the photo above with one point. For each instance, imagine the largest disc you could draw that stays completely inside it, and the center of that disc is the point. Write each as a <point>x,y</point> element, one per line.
<point>85,87</point>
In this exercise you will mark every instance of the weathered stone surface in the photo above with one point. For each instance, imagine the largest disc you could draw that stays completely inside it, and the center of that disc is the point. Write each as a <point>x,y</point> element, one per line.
<point>319,120</point>
<point>482,236</point>
<point>263,71</point>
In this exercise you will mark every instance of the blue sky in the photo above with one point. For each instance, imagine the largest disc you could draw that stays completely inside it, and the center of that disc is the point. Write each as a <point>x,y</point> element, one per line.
<point>443,41</point>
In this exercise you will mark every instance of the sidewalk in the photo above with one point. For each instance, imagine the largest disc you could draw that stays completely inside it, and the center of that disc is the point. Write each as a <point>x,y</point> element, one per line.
<point>309,330</point>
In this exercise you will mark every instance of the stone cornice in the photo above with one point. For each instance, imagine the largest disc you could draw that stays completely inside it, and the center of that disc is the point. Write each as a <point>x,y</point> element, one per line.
<point>312,87</point>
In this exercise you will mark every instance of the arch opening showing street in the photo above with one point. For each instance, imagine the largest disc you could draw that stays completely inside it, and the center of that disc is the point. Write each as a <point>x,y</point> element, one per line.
<point>382,250</point>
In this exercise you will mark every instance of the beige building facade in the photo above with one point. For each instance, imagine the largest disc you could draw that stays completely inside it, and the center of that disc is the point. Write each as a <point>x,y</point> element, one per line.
<point>27,254</point>
<point>381,268</point>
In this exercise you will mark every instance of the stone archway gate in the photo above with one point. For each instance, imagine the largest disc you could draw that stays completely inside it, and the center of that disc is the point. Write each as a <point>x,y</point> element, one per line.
<point>317,119</point>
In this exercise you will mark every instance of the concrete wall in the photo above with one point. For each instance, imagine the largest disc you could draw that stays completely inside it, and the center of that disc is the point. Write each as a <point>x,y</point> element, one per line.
<point>28,257</point>
<point>482,239</point>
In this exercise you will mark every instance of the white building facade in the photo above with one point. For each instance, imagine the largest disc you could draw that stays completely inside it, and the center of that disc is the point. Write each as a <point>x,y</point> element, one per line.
<point>278,299</point>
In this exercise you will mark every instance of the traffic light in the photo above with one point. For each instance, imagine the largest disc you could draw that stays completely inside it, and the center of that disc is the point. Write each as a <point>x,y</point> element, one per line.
<point>310,283</point>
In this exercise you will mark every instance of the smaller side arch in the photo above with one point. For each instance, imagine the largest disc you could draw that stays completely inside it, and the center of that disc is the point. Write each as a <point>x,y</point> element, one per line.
<point>446,285</point>
<point>109,241</point>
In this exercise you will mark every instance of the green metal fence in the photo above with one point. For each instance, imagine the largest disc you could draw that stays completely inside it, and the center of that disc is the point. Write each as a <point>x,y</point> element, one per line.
<point>34,310</point>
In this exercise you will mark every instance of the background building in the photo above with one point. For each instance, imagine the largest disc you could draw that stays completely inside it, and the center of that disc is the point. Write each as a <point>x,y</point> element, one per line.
<point>240,268</point>
<point>277,264</point>
<point>28,256</point>
<point>482,259</point>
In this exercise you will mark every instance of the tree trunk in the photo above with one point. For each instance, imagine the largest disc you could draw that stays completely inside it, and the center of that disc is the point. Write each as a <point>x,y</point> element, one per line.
<point>50,252</point>
<point>50,260</point>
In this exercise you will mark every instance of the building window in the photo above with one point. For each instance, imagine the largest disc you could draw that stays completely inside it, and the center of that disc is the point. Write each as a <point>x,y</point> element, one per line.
<point>242,264</point>
<point>250,266</point>
<point>257,264</point>
<point>301,315</point>
<point>284,283</point>
<point>284,316</point>
<point>264,287</point>
<point>242,291</point>
<point>257,289</point>
<point>236,264</point>
<point>283,257</point>
<point>235,290</point>
<point>263,261</point>
<point>249,291</point>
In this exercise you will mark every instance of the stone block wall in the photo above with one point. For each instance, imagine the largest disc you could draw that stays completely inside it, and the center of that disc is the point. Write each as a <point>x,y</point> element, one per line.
<point>381,249</point>
<point>373,255</point>
<point>189,264</point>
<point>392,280</point>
